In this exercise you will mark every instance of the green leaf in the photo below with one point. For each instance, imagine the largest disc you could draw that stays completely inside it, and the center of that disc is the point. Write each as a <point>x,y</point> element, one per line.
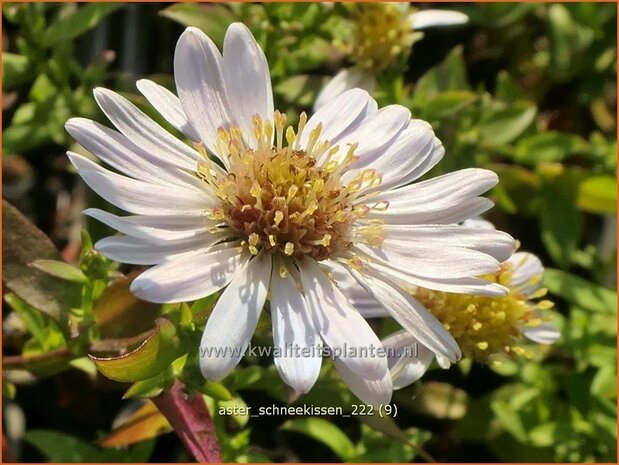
<point>61,447</point>
<point>8,390</point>
<point>410,440</point>
<point>598,194</point>
<point>212,19</point>
<point>151,387</point>
<point>300,89</point>
<point>22,244</point>
<point>450,75</point>
<point>562,226</point>
<point>61,270</point>
<point>152,356</point>
<point>326,433</point>
<point>42,89</point>
<point>567,42</point>
<point>119,313</point>
<point>501,124</point>
<point>497,15</point>
<point>549,434</point>
<point>41,326</point>
<point>448,103</point>
<point>74,24</point>
<point>16,70</point>
<point>604,383</point>
<point>551,146</point>
<point>376,446</point>
<point>510,419</point>
<point>215,390</point>
<point>21,138</point>
<point>507,89</point>
<point>580,292</point>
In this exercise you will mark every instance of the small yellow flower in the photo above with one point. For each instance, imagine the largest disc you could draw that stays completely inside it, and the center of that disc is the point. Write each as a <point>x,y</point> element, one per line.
<point>487,326</point>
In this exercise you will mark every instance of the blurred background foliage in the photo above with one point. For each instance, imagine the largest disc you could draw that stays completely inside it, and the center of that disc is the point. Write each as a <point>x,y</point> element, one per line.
<point>528,90</point>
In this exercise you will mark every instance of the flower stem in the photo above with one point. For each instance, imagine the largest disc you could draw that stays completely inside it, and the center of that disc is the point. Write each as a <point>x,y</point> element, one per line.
<point>190,418</point>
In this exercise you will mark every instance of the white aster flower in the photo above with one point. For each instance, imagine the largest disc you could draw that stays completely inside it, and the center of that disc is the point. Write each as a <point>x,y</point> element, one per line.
<point>384,32</point>
<point>264,212</point>
<point>486,328</point>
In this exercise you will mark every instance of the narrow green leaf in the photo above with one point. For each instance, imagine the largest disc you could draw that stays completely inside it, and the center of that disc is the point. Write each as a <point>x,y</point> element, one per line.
<point>562,226</point>
<point>32,319</point>
<point>215,390</point>
<point>507,89</point>
<point>300,89</point>
<point>150,387</point>
<point>119,313</point>
<point>598,194</point>
<point>449,76</point>
<point>212,19</point>
<point>62,270</point>
<point>75,24</point>
<point>8,390</point>
<point>580,292</point>
<point>326,433</point>
<point>20,138</point>
<point>604,383</point>
<point>61,447</point>
<point>552,146</point>
<point>16,70</point>
<point>153,356</point>
<point>448,103</point>
<point>502,124</point>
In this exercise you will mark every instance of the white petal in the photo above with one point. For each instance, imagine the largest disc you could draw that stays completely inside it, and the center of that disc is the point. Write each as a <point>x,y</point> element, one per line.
<point>153,228</point>
<point>477,286</point>
<point>127,249</point>
<point>201,87</point>
<point>345,79</point>
<point>248,81</point>
<point>234,319</point>
<point>138,196</point>
<point>413,150</point>
<point>190,276</point>
<point>429,261</point>
<point>168,105</point>
<point>363,301</point>
<point>528,272</point>
<point>449,198</point>
<point>376,392</point>
<point>440,251</point>
<point>426,164</point>
<point>120,153</point>
<point>429,18</point>
<point>442,362</point>
<point>294,333</point>
<point>545,333</point>
<point>338,116</point>
<point>342,328</point>
<point>497,244</point>
<point>478,222</point>
<point>409,359</point>
<point>143,131</point>
<point>411,315</point>
<point>377,132</point>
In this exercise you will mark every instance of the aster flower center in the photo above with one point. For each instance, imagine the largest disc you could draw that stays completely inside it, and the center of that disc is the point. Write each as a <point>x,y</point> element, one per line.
<point>485,327</point>
<point>285,199</point>
<point>383,33</point>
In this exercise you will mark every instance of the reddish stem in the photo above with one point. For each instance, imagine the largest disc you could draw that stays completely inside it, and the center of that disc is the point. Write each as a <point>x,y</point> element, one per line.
<point>190,418</point>
<point>6,452</point>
